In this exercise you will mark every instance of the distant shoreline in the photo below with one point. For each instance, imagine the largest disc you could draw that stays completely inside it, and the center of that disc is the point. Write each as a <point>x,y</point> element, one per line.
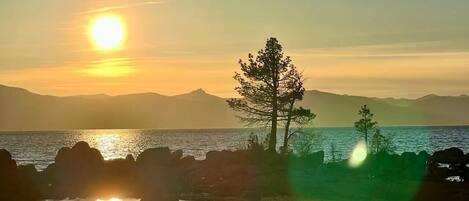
<point>232,128</point>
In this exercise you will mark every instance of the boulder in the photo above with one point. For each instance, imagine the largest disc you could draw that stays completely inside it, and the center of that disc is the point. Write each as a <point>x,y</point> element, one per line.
<point>6,162</point>
<point>63,155</point>
<point>76,171</point>
<point>187,162</point>
<point>177,154</point>
<point>455,161</point>
<point>130,158</point>
<point>160,156</point>
<point>451,155</point>
<point>158,174</point>
<point>17,183</point>
<point>80,154</point>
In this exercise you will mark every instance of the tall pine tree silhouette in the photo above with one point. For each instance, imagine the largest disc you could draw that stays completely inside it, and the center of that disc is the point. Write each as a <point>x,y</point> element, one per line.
<point>265,84</point>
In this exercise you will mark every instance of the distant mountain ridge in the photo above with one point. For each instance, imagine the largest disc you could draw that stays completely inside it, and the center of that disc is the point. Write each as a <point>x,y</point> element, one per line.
<point>21,109</point>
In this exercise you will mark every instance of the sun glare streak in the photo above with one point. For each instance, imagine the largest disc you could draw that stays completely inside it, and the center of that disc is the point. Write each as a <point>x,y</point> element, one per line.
<point>359,154</point>
<point>112,199</point>
<point>107,32</point>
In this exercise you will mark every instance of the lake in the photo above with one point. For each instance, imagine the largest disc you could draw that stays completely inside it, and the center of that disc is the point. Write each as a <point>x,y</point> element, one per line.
<point>40,147</point>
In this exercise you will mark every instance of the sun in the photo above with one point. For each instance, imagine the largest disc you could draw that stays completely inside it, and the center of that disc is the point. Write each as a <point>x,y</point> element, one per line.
<point>107,32</point>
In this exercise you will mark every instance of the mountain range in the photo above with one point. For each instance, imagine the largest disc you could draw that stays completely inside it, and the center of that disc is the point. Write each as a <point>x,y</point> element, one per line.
<point>21,109</point>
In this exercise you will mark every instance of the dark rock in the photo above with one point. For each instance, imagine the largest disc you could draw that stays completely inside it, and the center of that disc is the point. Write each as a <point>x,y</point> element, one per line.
<point>158,174</point>
<point>62,155</point>
<point>76,171</point>
<point>81,153</point>
<point>120,176</point>
<point>408,156</point>
<point>455,161</point>
<point>177,154</point>
<point>81,146</point>
<point>213,157</point>
<point>130,157</point>
<point>424,155</point>
<point>28,169</point>
<point>17,183</point>
<point>8,175</point>
<point>451,155</point>
<point>187,161</point>
<point>160,156</point>
<point>6,162</point>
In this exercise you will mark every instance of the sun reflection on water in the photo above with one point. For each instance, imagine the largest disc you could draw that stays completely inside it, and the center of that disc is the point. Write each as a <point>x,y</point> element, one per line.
<point>107,144</point>
<point>111,143</point>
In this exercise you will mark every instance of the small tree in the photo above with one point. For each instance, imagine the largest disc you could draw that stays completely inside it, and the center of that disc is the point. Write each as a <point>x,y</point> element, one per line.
<point>306,141</point>
<point>263,84</point>
<point>334,153</point>
<point>381,143</point>
<point>366,124</point>
<point>254,144</point>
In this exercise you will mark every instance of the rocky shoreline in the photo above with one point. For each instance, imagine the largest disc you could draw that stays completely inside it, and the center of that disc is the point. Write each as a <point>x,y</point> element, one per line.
<point>161,174</point>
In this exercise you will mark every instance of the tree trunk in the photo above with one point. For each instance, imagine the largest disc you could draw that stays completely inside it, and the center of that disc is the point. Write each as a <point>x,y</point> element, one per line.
<point>273,129</point>
<point>366,131</point>
<point>366,137</point>
<point>287,128</point>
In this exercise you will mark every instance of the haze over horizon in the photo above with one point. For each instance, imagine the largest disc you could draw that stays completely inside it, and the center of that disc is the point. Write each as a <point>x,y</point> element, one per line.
<point>202,90</point>
<point>23,110</point>
<point>345,47</point>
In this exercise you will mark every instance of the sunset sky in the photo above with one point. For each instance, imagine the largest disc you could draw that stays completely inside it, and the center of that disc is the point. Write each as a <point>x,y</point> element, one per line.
<point>399,48</point>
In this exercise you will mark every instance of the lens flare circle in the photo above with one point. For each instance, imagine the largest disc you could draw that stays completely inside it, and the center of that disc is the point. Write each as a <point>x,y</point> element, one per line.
<point>358,155</point>
<point>107,32</point>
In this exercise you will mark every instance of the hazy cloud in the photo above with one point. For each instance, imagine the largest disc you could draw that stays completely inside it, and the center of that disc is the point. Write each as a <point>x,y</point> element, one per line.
<point>123,6</point>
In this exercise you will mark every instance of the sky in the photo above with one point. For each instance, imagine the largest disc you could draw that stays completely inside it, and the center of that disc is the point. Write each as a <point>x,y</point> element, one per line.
<point>382,48</point>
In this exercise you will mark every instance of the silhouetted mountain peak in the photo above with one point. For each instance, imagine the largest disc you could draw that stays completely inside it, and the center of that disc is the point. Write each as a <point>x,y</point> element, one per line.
<point>13,90</point>
<point>314,91</point>
<point>148,95</point>
<point>428,97</point>
<point>198,95</point>
<point>322,93</point>
<point>199,91</point>
<point>4,88</point>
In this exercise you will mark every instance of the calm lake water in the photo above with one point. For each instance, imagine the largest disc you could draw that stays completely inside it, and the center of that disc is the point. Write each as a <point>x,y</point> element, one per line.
<point>40,147</point>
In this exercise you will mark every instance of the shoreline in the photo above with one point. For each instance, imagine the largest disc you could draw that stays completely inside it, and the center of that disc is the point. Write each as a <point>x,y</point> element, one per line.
<point>163,174</point>
<point>230,128</point>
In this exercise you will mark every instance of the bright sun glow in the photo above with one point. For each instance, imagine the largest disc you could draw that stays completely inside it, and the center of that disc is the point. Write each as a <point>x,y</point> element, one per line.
<point>359,154</point>
<point>107,32</point>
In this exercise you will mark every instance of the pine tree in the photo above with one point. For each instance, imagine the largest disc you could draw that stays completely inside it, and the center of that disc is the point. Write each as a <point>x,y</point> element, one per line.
<point>366,124</point>
<point>264,84</point>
